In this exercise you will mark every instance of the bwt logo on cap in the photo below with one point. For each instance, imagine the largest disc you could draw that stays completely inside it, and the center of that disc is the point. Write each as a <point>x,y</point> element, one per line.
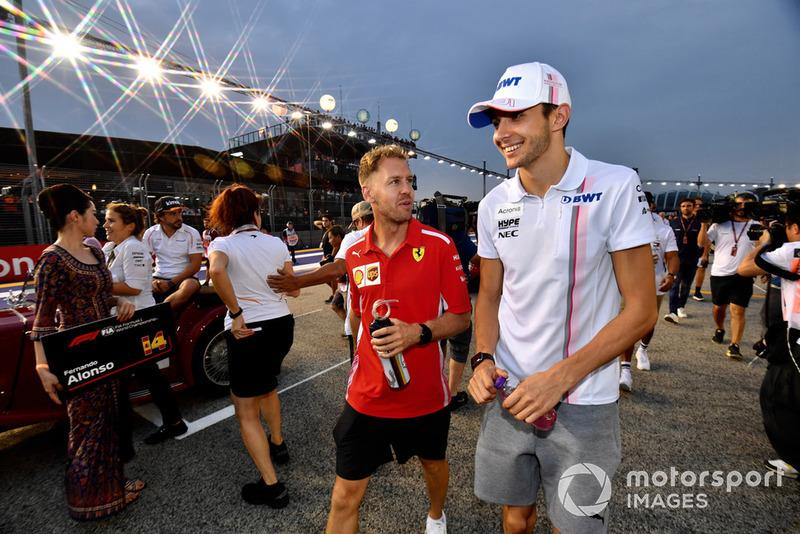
<point>508,81</point>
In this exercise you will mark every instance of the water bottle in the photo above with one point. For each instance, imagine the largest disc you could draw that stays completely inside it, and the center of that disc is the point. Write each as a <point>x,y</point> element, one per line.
<point>394,368</point>
<point>504,389</point>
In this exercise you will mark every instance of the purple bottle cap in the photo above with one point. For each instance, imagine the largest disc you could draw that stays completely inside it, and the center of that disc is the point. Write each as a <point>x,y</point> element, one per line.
<point>500,382</point>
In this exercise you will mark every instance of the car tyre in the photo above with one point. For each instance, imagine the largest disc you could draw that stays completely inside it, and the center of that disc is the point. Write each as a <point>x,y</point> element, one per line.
<point>210,361</point>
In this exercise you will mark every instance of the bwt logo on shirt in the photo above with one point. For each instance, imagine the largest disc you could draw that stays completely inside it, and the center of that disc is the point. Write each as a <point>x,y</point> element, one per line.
<point>584,198</point>
<point>508,81</point>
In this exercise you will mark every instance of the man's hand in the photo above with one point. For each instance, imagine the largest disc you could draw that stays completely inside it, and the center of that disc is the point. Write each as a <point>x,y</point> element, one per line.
<point>283,282</point>
<point>159,286</point>
<point>534,397</point>
<point>481,385</point>
<point>396,338</point>
<point>666,283</point>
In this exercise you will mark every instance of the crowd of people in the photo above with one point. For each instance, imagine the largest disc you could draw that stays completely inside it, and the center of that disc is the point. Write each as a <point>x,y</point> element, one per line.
<point>572,273</point>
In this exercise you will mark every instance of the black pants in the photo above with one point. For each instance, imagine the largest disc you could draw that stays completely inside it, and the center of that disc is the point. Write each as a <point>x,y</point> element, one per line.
<point>149,375</point>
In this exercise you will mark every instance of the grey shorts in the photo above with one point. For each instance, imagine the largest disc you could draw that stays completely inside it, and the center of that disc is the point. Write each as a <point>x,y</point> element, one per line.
<point>573,463</point>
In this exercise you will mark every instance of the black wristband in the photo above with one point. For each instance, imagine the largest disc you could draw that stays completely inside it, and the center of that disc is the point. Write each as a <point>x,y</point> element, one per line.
<point>426,335</point>
<point>480,357</point>
<point>235,315</point>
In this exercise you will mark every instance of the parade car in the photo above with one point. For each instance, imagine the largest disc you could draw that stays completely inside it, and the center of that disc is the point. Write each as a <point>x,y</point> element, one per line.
<point>201,359</point>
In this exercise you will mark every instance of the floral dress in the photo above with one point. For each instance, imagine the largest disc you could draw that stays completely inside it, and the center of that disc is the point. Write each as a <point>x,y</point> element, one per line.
<point>77,293</point>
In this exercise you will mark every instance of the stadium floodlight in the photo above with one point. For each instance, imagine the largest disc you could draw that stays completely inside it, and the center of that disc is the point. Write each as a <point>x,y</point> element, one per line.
<point>211,88</point>
<point>327,125</point>
<point>412,153</point>
<point>65,45</point>
<point>677,183</point>
<point>452,164</point>
<point>260,103</point>
<point>297,115</point>
<point>351,133</point>
<point>663,183</point>
<point>371,141</point>
<point>441,161</point>
<point>148,67</point>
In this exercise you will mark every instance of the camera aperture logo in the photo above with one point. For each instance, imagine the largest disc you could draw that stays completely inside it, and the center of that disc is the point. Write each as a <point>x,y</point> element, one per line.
<point>686,489</point>
<point>589,476</point>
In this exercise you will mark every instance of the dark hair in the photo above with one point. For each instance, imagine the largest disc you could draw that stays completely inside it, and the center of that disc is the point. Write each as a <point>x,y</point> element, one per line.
<point>687,199</point>
<point>336,230</point>
<point>58,201</point>
<point>130,214</point>
<point>235,206</point>
<point>547,110</point>
<point>747,196</point>
<point>326,215</point>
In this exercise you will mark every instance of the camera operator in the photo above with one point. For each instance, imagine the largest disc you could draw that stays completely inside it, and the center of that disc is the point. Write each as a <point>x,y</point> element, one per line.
<point>780,391</point>
<point>727,286</point>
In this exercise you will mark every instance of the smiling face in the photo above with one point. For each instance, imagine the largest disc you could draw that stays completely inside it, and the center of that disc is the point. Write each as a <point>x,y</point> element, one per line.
<point>116,230</point>
<point>390,190</point>
<point>522,136</point>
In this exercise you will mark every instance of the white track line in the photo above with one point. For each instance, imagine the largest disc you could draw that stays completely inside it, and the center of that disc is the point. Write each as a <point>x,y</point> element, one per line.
<point>228,411</point>
<point>151,413</point>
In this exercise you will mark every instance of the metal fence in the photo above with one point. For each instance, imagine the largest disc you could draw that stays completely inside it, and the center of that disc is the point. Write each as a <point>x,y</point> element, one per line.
<point>18,210</point>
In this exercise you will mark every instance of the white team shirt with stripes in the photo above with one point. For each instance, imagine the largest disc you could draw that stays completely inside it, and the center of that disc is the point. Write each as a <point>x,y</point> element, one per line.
<point>559,286</point>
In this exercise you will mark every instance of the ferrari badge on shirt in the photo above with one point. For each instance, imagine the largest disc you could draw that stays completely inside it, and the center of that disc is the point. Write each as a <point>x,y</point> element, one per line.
<point>418,253</point>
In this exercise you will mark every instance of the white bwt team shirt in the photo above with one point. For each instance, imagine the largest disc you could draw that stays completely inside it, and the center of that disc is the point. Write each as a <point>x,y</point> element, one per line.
<point>559,287</point>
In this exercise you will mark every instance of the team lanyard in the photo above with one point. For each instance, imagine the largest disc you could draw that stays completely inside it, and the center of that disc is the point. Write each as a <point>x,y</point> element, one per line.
<point>686,230</point>
<point>736,238</point>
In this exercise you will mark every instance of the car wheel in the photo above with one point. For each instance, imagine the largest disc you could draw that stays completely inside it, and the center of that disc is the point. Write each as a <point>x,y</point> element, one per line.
<point>210,363</point>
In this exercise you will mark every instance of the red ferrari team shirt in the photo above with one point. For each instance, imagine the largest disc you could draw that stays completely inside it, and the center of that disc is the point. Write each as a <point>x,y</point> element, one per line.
<point>426,278</point>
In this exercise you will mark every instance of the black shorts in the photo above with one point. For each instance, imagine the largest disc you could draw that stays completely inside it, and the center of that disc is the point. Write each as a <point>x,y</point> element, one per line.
<point>364,442</point>
<point>254,362</point>
<point>733,289</point>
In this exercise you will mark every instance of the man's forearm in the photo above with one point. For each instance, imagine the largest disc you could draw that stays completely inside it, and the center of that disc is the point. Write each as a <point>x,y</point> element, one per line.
<point>448,324</point>
<point>487,324</point>
<point>191,270</point>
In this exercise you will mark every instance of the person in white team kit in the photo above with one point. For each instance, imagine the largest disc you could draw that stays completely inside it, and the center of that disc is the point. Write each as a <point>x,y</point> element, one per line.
<point>559,243</point>
<point>259,331</point>
<point>665,264</point>
<point>178,249</point>
<point>727,286</point>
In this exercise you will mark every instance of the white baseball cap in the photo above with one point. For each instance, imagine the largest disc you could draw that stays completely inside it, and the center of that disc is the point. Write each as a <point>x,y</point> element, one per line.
<point>522,87</point>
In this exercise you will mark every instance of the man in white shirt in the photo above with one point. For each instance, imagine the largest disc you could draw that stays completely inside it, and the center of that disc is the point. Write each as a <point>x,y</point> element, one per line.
<point>178,250</point>
<point>558,243</point>
<point>665,264</point>
<point>731,245</point>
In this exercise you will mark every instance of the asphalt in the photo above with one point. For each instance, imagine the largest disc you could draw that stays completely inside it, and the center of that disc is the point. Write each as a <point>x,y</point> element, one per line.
<point>694,411</point>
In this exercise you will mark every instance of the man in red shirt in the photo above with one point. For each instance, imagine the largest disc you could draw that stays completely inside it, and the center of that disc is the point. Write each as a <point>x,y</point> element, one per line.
<point>417,269</point>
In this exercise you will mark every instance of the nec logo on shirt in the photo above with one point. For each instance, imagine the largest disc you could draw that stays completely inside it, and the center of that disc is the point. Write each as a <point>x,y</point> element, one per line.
<point>584,198</point>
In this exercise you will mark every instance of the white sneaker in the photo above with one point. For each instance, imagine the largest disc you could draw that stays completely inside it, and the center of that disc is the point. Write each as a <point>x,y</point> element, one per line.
<point>625,382</point>
<point>672,318</point>
<point>642,361</point>
<point>682,313</point>
<point>782,468</point>
<point>436,526</point>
